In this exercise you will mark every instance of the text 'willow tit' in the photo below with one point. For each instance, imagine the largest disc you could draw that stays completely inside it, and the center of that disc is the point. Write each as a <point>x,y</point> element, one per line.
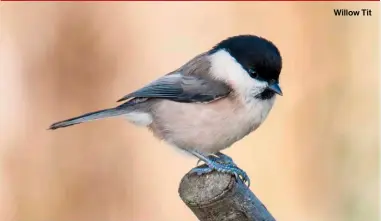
<point>209,103</point>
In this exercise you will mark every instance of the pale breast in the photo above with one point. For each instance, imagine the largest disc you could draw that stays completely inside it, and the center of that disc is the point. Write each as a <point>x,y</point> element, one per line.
<point>207,127</point>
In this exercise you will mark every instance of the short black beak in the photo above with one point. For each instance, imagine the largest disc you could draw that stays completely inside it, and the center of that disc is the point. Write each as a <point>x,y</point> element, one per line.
<point>275,87</point>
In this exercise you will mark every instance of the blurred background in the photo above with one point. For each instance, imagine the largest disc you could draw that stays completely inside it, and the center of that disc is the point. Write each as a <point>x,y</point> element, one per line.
<point>316,157</point>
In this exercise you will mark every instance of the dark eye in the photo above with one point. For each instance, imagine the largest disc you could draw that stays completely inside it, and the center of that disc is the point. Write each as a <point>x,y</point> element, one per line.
<point>253,73</point>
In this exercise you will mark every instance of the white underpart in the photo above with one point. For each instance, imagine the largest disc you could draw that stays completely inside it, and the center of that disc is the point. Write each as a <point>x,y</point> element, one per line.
<point>139,118</point>
<point>226,68</point>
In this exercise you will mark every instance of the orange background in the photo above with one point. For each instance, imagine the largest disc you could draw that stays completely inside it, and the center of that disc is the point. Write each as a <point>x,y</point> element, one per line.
<point>314,159</point>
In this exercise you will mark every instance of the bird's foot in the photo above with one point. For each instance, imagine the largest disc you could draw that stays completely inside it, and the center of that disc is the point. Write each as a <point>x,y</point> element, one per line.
<point>220,158</point>
<point>221,163</point>
<point>225,158</point>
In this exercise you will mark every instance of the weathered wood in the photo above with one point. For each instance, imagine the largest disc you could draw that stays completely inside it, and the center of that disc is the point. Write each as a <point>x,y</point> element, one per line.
<point>219,197</point>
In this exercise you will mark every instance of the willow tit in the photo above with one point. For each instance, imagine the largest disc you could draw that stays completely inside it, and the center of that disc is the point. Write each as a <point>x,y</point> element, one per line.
<point>209,103</point>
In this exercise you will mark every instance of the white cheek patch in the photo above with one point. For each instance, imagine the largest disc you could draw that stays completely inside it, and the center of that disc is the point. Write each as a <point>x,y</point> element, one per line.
<point>139,118</point>
<point>224,67</point>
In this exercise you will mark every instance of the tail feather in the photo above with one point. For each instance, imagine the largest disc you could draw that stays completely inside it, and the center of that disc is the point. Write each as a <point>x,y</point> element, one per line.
<point>112,112</point>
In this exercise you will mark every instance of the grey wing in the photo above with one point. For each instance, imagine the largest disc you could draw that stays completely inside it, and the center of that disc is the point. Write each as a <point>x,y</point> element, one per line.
<point>182,88</point>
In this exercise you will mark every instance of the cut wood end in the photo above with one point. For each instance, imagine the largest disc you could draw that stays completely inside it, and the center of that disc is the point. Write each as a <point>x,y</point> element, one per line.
<point>199,190</point>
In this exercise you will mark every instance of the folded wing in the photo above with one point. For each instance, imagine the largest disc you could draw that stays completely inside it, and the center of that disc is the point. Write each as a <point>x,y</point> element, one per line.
<point>182,88</point>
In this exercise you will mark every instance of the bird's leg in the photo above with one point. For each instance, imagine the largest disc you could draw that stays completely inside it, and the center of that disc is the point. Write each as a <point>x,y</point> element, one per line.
<point>219,157</point>
<point>225,158</point>
<point>220,163</point>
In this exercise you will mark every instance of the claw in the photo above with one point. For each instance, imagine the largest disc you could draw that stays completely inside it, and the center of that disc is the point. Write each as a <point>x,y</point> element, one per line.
<point>223,164</point>
<point>238,173</point>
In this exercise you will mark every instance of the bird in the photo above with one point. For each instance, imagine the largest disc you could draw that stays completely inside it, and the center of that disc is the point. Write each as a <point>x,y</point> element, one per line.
<point>212,101</point>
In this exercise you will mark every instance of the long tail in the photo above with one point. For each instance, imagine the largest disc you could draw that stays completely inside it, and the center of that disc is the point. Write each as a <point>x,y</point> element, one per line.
<point>106,113</point>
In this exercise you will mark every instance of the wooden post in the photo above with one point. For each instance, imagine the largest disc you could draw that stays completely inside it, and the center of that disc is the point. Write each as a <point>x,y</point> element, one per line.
<point>219,197</point>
